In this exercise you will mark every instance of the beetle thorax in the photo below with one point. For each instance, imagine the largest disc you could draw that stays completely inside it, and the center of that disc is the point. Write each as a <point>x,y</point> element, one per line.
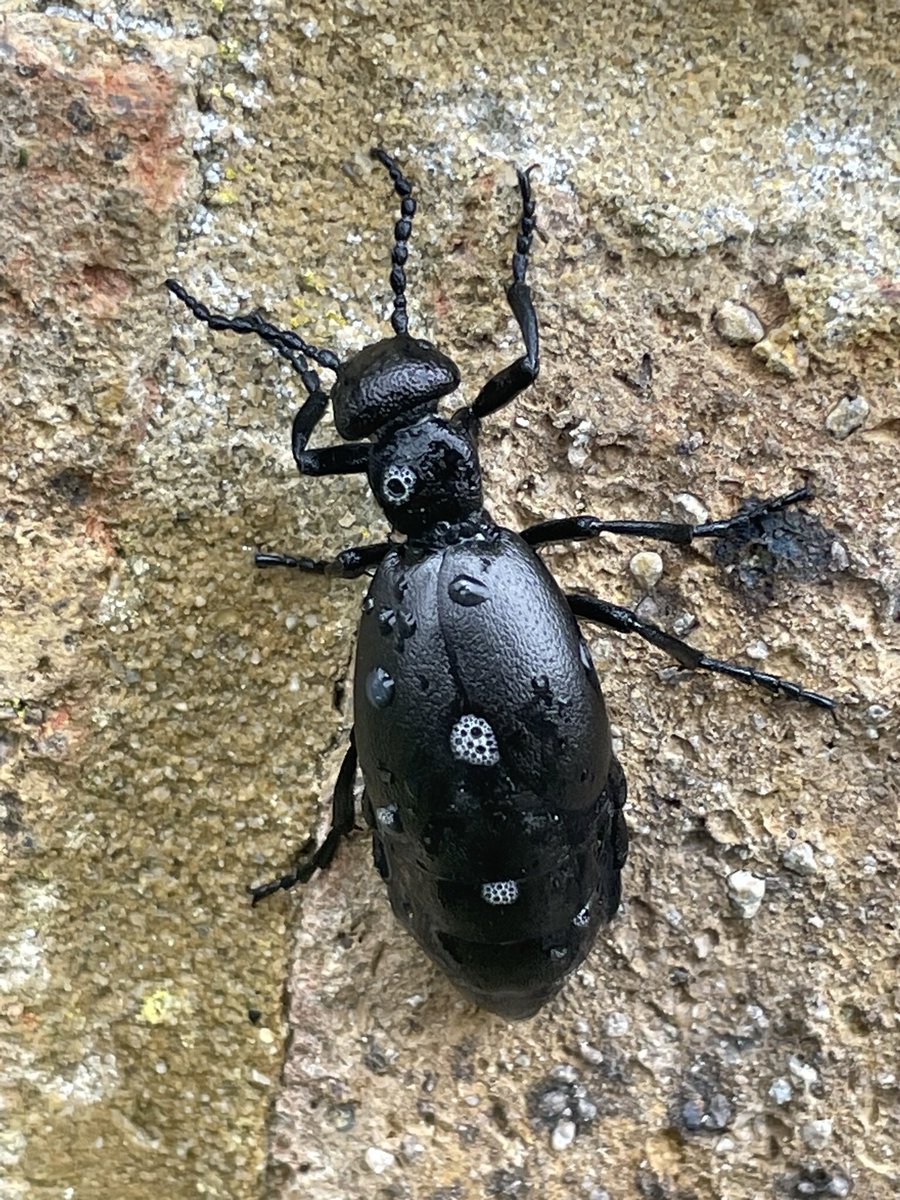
<point>426,473</point>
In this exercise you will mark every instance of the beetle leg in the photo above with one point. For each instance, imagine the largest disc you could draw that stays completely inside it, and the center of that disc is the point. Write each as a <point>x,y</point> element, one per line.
<point>349,564</point>
<point>591,608</point>
<point>342,815</point>
<point>506,384</point>
<point>579,529</point>
<point>346,458</point>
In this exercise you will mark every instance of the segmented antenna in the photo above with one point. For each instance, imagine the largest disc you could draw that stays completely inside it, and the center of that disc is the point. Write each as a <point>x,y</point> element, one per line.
<point>527,226</point>
<point>402,231</point>
<point>285,341</point>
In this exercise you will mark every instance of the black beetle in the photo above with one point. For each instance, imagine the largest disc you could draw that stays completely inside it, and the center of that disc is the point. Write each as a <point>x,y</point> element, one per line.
<point>491,789</point>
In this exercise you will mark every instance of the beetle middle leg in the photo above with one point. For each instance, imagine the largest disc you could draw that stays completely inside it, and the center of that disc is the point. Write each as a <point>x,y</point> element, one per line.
<point>348,564</point>
<point>579,529</point>
<point>342,818</point>
<point>591,608</point>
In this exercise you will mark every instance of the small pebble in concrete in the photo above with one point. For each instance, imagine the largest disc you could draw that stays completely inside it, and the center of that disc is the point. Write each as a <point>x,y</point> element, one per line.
<point>848,415</point>
<point>688,508</point>
<point>738,324</point>
<point>817,1134</point>
<point>647,567</point>
<point>802,1071</point>
<point>563,1135</point>
<point>801,859</point>
<point>783,357</point>
<point>746,891</point>
<point>379,1161</point>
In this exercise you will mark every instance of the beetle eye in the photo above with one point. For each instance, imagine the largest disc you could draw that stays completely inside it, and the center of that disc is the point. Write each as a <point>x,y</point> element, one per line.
<point>398,484</point>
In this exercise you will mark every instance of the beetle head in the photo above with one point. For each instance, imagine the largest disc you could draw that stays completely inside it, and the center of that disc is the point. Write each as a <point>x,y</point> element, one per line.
<point>388,380</point>
<point>426,473</point>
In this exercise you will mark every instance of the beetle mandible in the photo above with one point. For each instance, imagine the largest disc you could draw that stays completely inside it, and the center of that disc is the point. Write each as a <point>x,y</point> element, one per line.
<point>490,785</point>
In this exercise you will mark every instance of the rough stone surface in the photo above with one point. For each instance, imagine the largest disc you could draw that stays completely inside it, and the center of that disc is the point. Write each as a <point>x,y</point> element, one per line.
<point>172,721</point>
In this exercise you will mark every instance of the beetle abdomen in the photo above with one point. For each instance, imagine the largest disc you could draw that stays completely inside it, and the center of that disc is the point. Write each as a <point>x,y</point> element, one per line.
<point>510,943</point>
<point>485,746</point>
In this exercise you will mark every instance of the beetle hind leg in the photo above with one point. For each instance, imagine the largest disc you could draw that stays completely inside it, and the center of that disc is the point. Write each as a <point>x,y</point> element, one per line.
<point>343,811</point>
<point>591,608</point>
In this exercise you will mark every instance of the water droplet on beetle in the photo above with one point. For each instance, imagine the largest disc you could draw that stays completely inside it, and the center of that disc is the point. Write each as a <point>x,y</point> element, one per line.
<point>379,687</point>
<point>467,591</point>
<point>585,655</point>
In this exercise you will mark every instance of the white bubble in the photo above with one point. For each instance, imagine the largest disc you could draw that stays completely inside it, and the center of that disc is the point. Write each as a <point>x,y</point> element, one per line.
<point>473,741</point>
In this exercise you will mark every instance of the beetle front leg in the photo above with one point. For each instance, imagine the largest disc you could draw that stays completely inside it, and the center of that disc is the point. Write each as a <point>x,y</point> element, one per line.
<point>342,819</point>
<point>591,608</point>
<point>579,529</point>
<point>346,458</point>
<point>348,564</point>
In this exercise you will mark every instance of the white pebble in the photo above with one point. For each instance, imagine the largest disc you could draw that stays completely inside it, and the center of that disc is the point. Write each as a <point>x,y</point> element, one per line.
<point>847,416</point>
<point>817,1134</point>
<point>802,1071</point>
<point>616,1024</point>
<point>647,567</point>
<point>746,891</point>
<point>378,1160</point>
<point>801,859</point>
<point>689,508</point>
<point>738,324</point>
<point>563,1135</point>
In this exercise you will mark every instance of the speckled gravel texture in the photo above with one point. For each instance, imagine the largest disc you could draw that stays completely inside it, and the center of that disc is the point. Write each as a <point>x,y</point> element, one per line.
<point>716,277</point>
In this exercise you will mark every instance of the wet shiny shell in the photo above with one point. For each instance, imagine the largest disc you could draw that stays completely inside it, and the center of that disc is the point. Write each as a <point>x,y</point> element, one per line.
<point>480,726</point>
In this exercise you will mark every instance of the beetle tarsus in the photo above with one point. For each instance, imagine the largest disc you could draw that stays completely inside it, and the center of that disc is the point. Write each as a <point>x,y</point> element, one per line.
<point>343,811</point>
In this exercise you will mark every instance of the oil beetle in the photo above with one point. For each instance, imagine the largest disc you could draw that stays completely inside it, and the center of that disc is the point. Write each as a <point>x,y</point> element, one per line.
<point>491,788</point>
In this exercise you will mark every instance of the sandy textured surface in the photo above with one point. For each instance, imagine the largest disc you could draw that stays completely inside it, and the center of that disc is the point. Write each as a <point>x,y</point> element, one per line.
<point>714,192</point>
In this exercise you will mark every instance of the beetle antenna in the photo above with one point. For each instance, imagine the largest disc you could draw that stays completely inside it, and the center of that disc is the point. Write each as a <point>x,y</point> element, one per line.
<point>527,226</point>
<point>288,344</point>
<point>402,230</point>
